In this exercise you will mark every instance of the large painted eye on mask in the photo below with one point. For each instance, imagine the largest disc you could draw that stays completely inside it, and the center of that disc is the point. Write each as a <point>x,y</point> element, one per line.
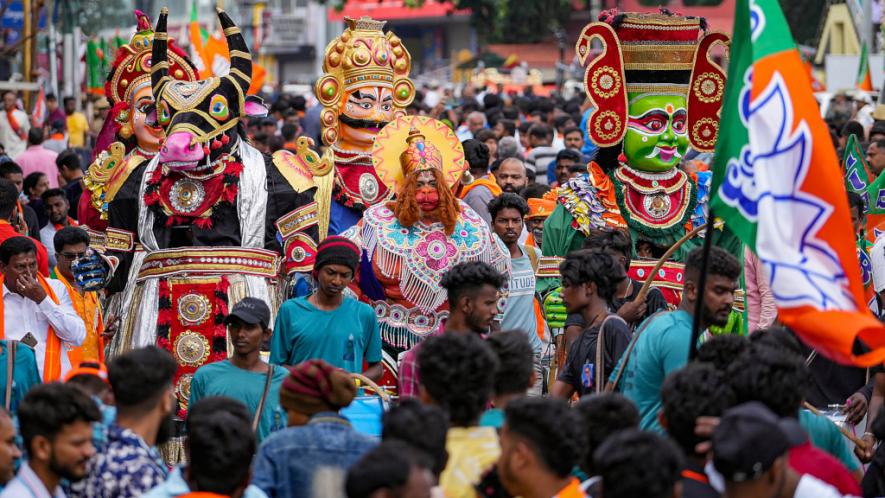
<point>679,121</point>
<point>218,108</point>
<point>163,114</point>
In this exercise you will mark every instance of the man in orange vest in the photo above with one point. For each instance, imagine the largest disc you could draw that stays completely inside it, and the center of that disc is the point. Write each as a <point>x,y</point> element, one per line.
<point>70,243</point>
<point>37,311</point>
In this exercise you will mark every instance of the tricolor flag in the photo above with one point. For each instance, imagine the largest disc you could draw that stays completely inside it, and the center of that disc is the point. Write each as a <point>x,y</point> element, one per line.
<point>38,117</point>
<point>864,80</point>
<point>778,186</point>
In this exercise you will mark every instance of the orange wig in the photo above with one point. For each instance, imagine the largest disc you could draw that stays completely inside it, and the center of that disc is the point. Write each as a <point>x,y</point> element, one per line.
<point>406,209</point>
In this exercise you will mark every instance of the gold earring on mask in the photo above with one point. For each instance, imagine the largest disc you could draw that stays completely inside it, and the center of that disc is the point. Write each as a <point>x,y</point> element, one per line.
<point>126,131</point>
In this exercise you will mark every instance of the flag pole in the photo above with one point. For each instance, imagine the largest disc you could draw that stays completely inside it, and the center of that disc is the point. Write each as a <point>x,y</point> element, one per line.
<point>702,283</point>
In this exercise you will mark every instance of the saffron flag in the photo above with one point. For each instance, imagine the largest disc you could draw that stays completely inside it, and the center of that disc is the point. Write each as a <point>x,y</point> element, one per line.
<point>778,186</point>
<point>864,80</point>
<point>38,117</point>
<point>210,55</point>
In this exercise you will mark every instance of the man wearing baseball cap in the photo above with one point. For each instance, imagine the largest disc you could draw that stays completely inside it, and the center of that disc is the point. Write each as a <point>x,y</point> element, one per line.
<point>750,447</point>
<point>244,376</point>
<point>328,324</point>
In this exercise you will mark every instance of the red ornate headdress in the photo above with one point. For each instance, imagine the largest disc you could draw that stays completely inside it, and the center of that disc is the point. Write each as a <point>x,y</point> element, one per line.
<point>651,53</point>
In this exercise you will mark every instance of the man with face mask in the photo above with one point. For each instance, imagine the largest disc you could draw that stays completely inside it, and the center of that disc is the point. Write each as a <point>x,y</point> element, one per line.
<point>56,425</point>
<point>413,241</point>
<point>129,466</point>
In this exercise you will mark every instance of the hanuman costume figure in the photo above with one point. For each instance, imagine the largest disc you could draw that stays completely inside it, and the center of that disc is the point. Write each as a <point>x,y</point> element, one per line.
<point>126,139</point>
<point>203,223</point>
<point>365,86</point>
<point>411,242</point>
<point>655,91</point>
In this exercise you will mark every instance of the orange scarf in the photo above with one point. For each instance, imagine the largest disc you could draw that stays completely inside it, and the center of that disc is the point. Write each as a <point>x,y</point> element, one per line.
<point>87,307</point>
<point>489,183</point>
<point>52,358</point>
<point>71,223</point>
<point>13,123</point>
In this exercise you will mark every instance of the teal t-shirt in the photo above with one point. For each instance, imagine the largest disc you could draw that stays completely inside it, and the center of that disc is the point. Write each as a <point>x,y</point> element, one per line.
<point>343,337</point>
<point>661,348</point>
<point>493,417</point>
<point>24,375</point>
<point>222,378</point>
<point>825,435</point>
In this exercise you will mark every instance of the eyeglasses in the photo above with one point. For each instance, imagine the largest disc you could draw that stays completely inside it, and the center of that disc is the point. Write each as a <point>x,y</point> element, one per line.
<point>72,255</point>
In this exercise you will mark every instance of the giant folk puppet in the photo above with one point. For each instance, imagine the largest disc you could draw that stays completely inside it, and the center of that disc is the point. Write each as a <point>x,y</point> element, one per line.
<point>411,242</point>
<point>126,139</point>
<point>655,92</point>
<point>365,86</point>
<point>211,214</point>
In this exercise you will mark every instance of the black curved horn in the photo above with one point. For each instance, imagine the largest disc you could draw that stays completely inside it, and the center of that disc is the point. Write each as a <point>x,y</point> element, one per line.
<point>159,62</point>
<point>240,59</point>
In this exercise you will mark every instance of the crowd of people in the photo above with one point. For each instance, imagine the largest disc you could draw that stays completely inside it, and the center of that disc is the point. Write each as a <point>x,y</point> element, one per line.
<point>385,365</point>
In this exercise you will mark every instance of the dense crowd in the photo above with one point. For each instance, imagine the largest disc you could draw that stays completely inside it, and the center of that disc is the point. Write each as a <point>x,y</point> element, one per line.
<point>602,394</point>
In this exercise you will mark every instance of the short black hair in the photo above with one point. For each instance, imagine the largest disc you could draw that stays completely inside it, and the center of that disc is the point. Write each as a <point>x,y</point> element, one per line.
<point>560,121</point>
<point>778,337</point>
<point>220,444</point>
<point>540,130</point>
<point>603,415</point>
<point>140,377</point>
<point>551,429</point>
<point>572,129</point>
<point>775,377</point>
<point>31,181</point>
<point>853,128</point>
<point>485,134</point>
<point>461,391</point>
<point>46,410</point>
<point>600,268</point>
<point>51,96</point>
<point>35,136</point>
<point>68,159</point>
<point>508,200</point>
<point>14,246</point>
<point>638,463</point>
<point>855,201</point>
<point>696,390</point>
<point>387,466</point>
<point>10,168</point>
<point>515,359</point>
<point>421,426</point>
<point>534,191</point>
<point>880,143</point>
<point>8,197</point>
<point>609,240</point>
<point>53,192</point>
<point>509,126</point>
<point>289,131</point>
<point>721,350</point>
<point>476,153</point>
<point>69,236</point>
<point>68,99</point>
<point>469,277</point>
<point>720,263</point>
<point>568,154</point>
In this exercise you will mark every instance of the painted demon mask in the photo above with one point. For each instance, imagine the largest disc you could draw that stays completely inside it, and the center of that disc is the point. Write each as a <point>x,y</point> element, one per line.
<point>654,87</point>
<point>201,117</point>
<point>366,84</point>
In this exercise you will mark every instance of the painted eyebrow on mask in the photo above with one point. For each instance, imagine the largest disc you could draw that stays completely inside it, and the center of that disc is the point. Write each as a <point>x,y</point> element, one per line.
<point>360,95</point>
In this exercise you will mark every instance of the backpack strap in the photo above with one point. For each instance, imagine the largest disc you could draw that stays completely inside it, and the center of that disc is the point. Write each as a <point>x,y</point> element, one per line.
<point>626,357</point>
<point>599,372</point>
<point>532,253</point>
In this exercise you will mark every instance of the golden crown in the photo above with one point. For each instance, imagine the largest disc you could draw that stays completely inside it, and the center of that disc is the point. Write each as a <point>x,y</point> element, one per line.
<point>363,56</point>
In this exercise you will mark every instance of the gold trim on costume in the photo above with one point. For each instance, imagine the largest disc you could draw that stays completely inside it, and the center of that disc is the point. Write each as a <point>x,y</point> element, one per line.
<point>233,30</point>
<point>390,143</point>
<point>297,220</point>
<point>119,240</point>
<point>210,261</point>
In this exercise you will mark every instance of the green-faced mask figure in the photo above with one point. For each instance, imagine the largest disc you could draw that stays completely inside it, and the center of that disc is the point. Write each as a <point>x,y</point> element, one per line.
<point>657,135</point>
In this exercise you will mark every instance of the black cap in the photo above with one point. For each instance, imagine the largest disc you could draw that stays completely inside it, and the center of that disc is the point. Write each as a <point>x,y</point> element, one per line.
<point>749,438</point>
<point>250,310</point>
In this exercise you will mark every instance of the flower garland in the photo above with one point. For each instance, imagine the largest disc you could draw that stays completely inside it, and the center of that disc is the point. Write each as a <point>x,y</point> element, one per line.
<point>180,198</point>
